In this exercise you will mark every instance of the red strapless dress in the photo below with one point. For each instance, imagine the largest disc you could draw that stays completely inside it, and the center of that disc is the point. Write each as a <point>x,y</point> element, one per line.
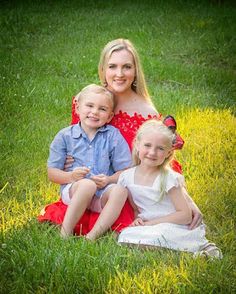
<point>54,212</point>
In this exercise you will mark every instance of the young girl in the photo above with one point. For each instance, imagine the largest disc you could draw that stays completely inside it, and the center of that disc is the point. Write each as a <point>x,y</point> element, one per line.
<point>158,197</point>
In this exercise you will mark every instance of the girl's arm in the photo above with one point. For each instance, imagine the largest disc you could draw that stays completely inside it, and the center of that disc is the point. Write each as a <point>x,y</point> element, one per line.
<point>183,214</point>
<point>103,180</point>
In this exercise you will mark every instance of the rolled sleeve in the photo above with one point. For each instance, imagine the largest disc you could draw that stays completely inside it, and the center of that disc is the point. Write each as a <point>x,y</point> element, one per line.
<point>58,150</point>
<point>121,156</point>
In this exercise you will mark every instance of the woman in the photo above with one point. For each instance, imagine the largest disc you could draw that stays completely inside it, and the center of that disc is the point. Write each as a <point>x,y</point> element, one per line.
<point>120,71</point>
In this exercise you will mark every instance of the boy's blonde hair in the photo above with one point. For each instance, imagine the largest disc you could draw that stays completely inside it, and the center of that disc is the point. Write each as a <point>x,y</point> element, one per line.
<point>157,126</point>
<point>93,88</point>
<point>139,86</point>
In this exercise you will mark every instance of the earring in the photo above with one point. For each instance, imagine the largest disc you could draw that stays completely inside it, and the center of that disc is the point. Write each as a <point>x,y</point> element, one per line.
<point>105,84</point>
<point>134,83</point>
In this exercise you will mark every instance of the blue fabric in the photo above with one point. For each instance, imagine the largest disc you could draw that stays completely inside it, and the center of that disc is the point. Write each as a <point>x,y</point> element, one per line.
<point>107,153</point>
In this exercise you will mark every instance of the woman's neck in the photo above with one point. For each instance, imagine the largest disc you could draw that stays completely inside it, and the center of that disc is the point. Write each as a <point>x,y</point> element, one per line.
<point>126,97</point>
<point>130,102</point>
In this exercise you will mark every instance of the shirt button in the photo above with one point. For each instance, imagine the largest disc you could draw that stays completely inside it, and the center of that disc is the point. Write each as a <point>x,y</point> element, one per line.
<point>90,146</point>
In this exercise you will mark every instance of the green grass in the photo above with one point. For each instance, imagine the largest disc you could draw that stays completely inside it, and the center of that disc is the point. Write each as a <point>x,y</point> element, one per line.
<point>49,51</point>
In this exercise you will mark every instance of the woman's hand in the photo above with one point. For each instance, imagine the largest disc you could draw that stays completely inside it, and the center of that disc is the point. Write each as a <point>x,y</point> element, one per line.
<point>197,216</point>
<point>69,161</point>
<point>79,173</point>
<point>100,180</point>
<point>196,213</point>
<point>137,222</point>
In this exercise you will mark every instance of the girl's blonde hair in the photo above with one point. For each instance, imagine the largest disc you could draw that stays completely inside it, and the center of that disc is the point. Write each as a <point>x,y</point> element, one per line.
<point>157,126</point>
<point>139,84</point>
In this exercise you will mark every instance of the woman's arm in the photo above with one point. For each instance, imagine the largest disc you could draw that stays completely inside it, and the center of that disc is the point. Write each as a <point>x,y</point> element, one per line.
<point>182,216</point>
<point>196,213</point>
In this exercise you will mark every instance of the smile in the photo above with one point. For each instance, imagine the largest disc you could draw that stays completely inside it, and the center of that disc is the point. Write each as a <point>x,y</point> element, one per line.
<point>93,118</point>
<point>119,81</point>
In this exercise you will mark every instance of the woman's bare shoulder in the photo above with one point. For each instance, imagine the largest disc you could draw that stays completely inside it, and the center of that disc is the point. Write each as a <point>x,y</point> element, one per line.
<point>146,108</point>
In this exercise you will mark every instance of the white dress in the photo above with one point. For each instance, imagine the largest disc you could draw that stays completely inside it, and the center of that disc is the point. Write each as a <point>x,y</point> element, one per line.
<point>147,199</point>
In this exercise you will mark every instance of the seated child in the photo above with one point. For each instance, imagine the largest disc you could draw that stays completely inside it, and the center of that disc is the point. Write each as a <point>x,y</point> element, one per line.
<point>99,153</point>
<point>157,194</point>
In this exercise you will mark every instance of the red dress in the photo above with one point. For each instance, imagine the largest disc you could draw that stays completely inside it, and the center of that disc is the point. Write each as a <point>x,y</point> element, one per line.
<point>55,212</point>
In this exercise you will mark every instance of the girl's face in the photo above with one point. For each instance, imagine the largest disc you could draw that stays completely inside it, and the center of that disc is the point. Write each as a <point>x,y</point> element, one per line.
<point>120,71</point>
<point>153,149</point>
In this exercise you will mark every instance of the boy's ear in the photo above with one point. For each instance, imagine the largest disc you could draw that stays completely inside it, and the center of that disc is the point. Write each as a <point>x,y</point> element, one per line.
<point>76,102</point>
<point>77,107</point>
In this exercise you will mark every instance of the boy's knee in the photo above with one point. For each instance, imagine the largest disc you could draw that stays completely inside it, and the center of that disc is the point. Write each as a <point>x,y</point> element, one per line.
<point>87,185</point>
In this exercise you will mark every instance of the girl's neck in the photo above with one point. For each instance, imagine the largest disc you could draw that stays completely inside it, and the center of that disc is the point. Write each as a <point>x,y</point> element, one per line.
<point>148,171</point>
<point>146,175</point>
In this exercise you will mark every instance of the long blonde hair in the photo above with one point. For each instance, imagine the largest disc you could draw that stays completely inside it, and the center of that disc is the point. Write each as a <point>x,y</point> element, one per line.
<point>157,126</point>
<point>139,86</point>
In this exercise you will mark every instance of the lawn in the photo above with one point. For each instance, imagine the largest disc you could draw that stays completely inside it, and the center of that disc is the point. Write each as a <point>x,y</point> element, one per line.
<point>49,51</point>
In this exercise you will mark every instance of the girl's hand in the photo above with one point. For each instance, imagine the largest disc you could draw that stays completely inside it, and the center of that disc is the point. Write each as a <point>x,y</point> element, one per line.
<point>79,173</point>
<point>137,222</point>
<point>69,161</point>
<point>100,180</point>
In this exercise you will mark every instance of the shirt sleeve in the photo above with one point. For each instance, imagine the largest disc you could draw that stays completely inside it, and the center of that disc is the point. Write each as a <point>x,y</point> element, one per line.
<point>121,155</point>
<point>58,150</point>
<point>174,179</point>
<point>122,179</point>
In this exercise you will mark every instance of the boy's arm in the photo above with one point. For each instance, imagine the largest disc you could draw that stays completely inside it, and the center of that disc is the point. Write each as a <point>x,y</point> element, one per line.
<point>181,216</point>
<point>62,177</point>
<point>59,176</point>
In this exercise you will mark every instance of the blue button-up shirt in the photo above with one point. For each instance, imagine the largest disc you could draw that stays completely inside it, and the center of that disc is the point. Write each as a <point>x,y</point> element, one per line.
<point>107,153</point>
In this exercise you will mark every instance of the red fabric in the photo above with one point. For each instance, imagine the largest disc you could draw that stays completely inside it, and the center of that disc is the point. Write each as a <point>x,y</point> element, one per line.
<point>55,212</point>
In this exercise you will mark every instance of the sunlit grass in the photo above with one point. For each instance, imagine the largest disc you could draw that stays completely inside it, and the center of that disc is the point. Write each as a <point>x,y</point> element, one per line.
<point>49,51</point>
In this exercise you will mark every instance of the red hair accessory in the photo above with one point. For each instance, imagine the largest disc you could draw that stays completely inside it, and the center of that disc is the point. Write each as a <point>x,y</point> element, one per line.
<point>170,122</point>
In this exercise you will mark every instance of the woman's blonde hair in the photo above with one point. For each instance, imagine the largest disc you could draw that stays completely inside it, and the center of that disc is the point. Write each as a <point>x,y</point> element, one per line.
<point>139,84</point>
<point>157,126</point>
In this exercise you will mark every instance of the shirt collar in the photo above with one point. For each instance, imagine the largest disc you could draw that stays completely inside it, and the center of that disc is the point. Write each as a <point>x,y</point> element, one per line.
<point>77,130</point>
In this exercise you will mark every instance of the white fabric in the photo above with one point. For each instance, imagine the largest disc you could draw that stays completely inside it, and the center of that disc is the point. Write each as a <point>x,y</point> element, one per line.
<point>147,199</point>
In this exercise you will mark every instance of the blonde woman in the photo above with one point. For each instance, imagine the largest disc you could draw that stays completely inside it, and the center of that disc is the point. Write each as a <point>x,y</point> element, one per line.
<point>121,73</point>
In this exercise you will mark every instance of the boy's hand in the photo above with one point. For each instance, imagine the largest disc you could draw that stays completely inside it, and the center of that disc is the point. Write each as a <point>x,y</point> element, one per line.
<point>100,180</point>
<point>137,222</point>
<point>79,173</point>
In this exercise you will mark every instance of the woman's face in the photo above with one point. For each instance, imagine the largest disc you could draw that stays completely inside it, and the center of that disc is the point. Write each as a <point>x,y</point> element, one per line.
<point>120,71</point>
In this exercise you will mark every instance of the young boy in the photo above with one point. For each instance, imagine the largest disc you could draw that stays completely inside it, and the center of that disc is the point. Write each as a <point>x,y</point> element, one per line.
<point>99,153</point>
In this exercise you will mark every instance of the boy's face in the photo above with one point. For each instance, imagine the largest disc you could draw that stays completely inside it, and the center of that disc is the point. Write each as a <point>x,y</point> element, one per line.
<point>95,111</point>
